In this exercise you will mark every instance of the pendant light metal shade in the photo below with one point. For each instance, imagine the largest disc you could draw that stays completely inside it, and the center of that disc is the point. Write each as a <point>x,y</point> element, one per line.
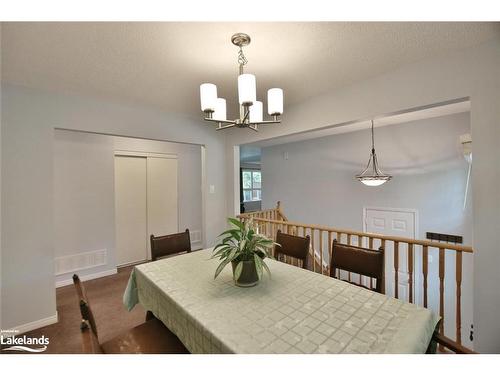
<point>372,175</point>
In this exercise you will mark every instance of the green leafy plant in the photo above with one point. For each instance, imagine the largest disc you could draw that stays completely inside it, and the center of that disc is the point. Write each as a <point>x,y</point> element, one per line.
<point>241,243</point>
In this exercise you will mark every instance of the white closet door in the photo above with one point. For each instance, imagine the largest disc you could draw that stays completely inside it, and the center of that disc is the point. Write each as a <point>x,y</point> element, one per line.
<point>162,196</point>
<point>130,209</point>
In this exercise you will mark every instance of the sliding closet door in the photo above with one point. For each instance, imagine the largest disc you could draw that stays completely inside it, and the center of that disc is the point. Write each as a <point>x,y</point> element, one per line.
<point>162,196</point>
<point>131,209</point>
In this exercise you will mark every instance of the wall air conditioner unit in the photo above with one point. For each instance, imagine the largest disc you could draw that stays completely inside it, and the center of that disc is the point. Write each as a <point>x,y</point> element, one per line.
<point>466,142</point>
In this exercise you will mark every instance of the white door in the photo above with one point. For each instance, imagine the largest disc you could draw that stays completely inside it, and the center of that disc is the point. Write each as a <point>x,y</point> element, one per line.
<point>145,203</point>
<point>130,209</point>
<point>394,222</point>
<point>162,196</point>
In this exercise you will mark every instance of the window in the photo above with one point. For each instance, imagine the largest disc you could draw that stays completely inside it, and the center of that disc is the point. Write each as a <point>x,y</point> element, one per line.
<point>252,185</point>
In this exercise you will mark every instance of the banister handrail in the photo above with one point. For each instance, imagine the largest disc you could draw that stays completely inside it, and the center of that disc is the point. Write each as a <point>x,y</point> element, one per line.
<point>273,212</point>
<point>439,245</point>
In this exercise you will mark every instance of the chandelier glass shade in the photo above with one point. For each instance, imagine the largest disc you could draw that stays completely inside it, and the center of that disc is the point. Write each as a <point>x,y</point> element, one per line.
<point>251,109</point>
<point>372,175</point>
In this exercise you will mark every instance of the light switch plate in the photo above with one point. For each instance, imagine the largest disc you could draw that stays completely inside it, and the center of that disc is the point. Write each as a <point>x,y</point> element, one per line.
<point>212,189</point>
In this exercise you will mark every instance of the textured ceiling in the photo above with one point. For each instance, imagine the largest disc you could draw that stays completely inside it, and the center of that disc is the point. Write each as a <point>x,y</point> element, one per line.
<point>162,64</point>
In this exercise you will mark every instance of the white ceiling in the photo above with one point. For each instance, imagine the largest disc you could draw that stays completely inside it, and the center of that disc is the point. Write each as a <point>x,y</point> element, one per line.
<point>162,64</point>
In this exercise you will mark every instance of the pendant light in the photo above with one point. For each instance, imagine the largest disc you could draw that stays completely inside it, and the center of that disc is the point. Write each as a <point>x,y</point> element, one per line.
<point>372,175</point>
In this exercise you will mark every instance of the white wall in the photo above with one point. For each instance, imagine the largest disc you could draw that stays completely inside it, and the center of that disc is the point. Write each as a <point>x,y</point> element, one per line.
<point>84,219</point>
<point>316,184</point>
<point>472,72</point>
<point>84,191</point>
<point>28,121</point>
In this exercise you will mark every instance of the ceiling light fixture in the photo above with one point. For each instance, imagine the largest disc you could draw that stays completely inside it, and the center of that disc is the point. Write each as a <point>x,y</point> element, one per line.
<point>372,175</point>
<point>250,108</point>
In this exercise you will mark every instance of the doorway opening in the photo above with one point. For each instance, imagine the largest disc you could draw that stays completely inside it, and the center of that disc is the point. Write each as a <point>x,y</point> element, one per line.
<point>250,176</point>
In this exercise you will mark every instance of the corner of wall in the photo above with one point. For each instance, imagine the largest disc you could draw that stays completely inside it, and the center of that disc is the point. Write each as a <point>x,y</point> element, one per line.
<point>1,175</point>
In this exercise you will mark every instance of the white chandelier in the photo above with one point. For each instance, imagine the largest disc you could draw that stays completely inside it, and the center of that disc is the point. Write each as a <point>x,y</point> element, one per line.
<point>372,175</point>
<point>250,108</point>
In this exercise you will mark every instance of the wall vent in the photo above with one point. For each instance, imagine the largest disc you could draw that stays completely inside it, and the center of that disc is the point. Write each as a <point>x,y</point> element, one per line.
<point>81,261</point>
<point>450,238</point>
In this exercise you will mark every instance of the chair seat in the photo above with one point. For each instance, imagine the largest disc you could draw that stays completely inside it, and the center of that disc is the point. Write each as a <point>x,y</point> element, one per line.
<point>151,337</point>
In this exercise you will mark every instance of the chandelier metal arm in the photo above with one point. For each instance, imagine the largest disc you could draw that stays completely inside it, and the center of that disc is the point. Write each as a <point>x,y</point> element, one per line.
<point>220,121</point>
<point>275,120</point>
<point>246,110</point>
<point>221,127</point>
<point>265,122</point>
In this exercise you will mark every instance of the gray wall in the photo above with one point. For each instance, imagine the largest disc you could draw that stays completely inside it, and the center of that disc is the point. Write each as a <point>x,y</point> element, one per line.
<point>471,72</point>
<point>84,191</point>
<point>316,185</point>
<point>28,120</point>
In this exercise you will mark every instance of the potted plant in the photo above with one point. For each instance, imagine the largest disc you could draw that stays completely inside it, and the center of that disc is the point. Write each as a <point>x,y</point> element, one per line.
<point>245,250</point>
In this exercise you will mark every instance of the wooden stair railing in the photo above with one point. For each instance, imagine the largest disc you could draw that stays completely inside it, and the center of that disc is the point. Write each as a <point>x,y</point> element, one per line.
<point>269,221</point>
<point>270,214</point>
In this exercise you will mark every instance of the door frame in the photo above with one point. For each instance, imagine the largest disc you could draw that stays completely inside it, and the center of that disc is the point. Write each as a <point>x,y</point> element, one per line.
<point>141,154</point>
<point>117,263</point>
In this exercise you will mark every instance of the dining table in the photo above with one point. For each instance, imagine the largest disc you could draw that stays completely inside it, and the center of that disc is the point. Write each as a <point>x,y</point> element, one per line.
<point>293,310</point>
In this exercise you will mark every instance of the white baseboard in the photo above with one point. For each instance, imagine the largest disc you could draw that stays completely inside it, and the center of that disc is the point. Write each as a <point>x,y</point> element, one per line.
<point>69,279</point>
<point>23,328</point>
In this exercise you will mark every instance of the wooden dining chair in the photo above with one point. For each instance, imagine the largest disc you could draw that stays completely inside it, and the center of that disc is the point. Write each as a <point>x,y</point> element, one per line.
<point>359,260</point>
<point>292,246</point>
<point>90,342</point>
<point>170,244</point>
<point>151,337</point>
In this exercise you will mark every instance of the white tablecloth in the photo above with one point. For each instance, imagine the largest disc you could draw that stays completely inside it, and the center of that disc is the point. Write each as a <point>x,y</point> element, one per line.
<point>295,311</point>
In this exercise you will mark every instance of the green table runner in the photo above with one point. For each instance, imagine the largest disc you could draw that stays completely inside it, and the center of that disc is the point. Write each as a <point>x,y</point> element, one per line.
<point>296,311</point>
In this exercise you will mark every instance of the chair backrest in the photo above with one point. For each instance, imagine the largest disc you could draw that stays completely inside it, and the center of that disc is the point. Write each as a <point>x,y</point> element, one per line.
<point>85,310</point>
<point>293,246</point>
<point>359,260</point>
<point>80,290</point>
<point>170,244</point>
<point>90,342</point>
